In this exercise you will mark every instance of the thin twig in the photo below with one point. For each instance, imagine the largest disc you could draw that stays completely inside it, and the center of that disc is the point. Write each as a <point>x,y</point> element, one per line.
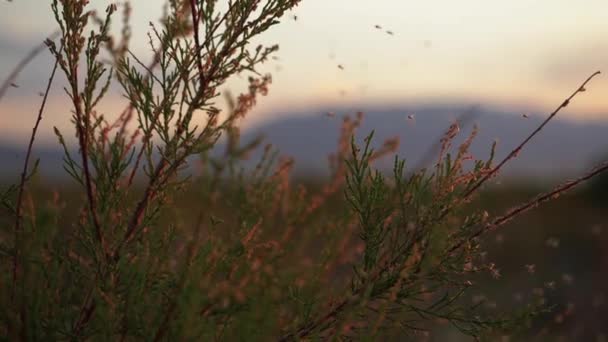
<point>19,204</point>
<point>197,44</point>
<point>23,63</point>
<point>86,311</point>
<point>516,151</point>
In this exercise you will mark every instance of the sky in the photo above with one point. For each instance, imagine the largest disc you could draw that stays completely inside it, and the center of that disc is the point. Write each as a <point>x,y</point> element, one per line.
<point>513,54</point>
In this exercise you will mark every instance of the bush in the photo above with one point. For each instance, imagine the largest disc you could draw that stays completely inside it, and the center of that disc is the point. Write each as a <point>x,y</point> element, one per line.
<point>253,257</point>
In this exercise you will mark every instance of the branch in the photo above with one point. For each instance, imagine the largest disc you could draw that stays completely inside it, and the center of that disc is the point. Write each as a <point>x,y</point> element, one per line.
<point>150,192</point>
<point>466,196</point>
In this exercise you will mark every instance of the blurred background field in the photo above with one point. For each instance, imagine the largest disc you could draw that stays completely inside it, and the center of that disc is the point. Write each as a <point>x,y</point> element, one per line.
<point>557,252</point>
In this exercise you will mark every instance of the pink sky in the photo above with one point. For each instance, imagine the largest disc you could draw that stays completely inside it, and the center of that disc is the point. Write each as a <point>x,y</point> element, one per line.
<point>517,52</point>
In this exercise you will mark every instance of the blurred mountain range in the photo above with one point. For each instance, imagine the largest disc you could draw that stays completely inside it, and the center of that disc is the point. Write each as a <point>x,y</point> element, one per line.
<point>563,147</point>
